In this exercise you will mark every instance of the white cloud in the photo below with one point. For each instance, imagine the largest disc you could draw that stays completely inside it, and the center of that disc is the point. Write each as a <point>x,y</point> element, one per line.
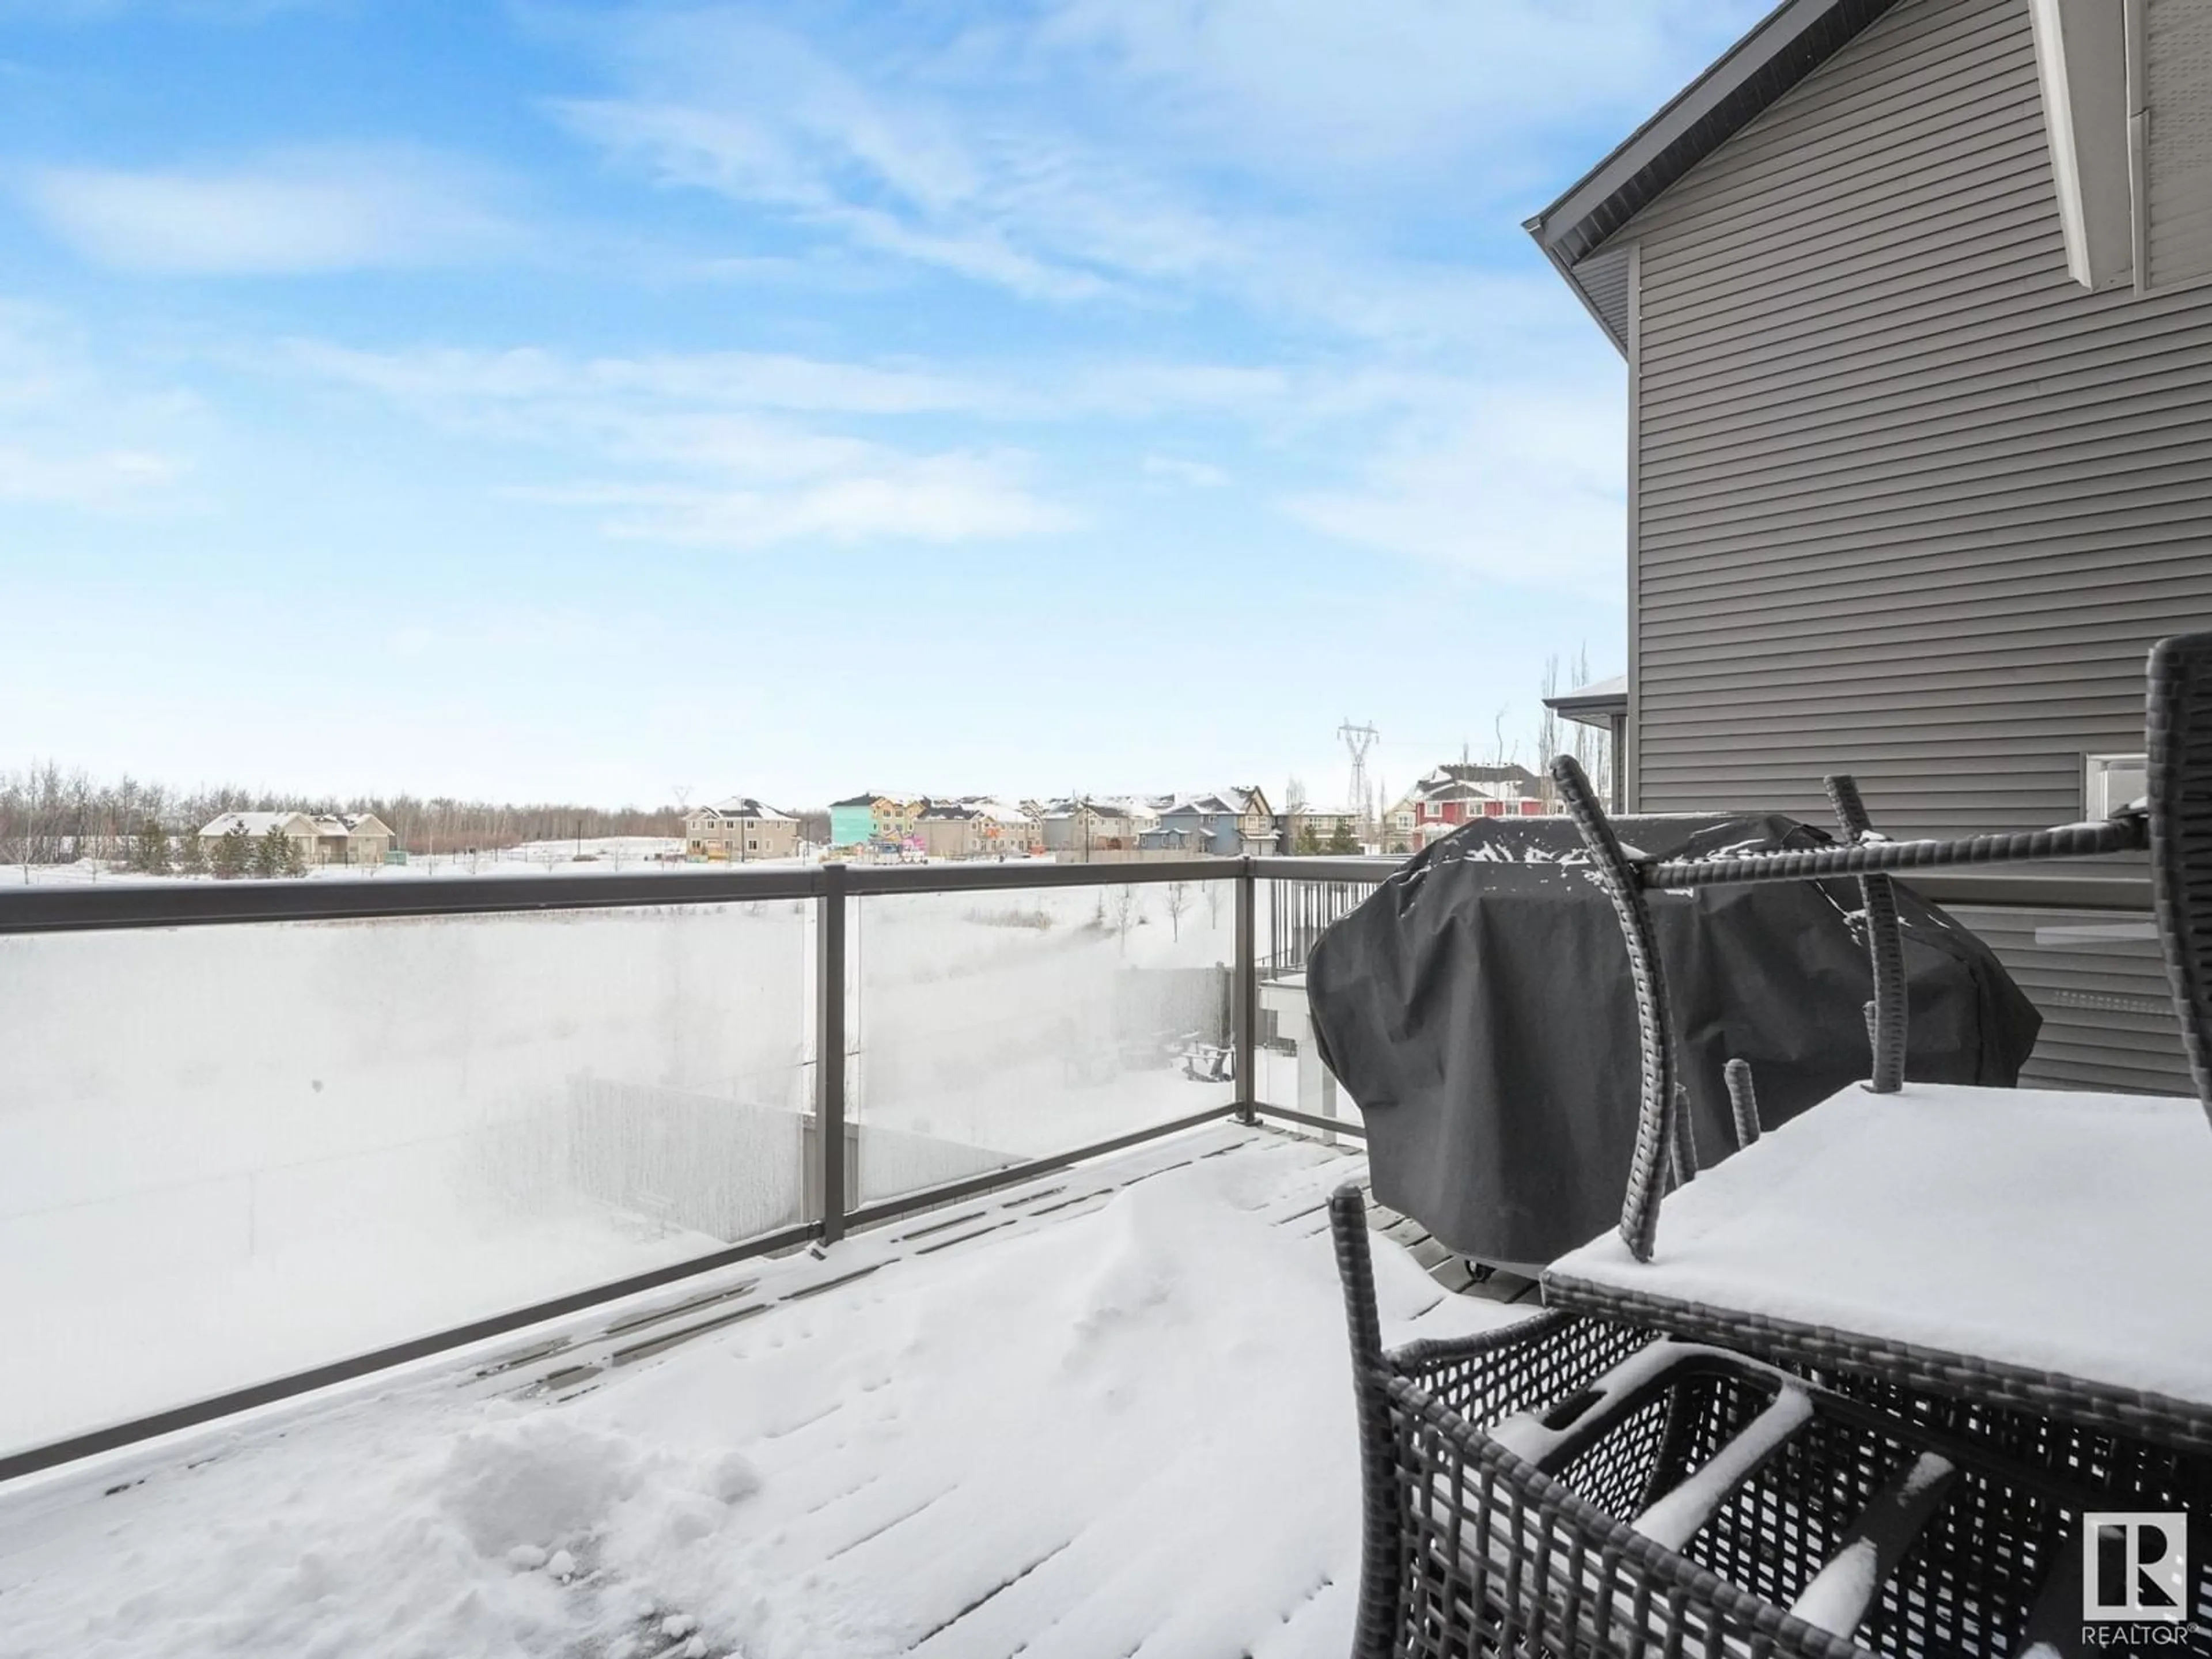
<point>1390,93</point>
<point>966,178</point>
<point>291,213</point>
<point>1327,166</point>
<point>1519,483</point>
<point>720,449</point>
<point>886,497</point>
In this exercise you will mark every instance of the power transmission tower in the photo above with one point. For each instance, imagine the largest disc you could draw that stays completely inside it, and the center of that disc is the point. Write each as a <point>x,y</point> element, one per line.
<point>1359,740</point>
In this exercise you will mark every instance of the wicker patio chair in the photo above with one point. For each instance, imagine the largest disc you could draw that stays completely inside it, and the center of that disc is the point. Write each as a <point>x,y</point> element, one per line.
<point>1570,1486</point>
<point>2174,822</point>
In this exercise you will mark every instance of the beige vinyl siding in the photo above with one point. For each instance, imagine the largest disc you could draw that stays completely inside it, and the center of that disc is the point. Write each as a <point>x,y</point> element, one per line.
<point>1908,501</point>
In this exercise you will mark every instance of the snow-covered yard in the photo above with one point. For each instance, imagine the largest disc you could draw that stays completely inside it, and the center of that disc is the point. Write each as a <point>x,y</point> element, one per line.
<point>1108,1414</point>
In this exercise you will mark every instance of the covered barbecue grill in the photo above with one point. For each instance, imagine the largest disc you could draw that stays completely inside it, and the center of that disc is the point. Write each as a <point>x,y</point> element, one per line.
<point>1479,1009</point>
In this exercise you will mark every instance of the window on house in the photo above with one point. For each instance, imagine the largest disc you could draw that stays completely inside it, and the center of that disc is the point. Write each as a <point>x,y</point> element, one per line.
<point>2110,782</point>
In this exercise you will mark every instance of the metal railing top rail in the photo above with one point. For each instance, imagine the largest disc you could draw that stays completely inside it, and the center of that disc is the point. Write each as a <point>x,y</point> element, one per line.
<point>123,904</point>
<point>1312,868</point>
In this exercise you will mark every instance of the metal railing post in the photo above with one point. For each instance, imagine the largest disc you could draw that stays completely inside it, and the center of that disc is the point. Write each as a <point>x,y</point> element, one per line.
<point>1247,1012</point>
<point>829,1050</point>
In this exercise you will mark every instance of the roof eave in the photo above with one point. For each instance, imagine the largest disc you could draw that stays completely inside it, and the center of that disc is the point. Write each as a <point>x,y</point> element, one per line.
<point>1565,270</point>
<point>1715,106</point>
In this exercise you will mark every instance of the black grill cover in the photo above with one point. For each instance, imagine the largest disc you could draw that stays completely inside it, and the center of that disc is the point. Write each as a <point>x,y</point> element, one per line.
<point>1478,1007</point>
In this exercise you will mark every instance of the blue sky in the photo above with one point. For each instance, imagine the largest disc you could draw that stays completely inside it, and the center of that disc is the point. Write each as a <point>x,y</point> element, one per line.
<point>569,402</point>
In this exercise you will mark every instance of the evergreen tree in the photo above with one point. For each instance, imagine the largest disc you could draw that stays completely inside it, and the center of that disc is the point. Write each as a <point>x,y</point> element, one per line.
<point>151,853</point>
<point>1308,840</point>
<point>192,857</point>
<point>1341,840</point>
<point>273,855</point>
<point>234,853</point>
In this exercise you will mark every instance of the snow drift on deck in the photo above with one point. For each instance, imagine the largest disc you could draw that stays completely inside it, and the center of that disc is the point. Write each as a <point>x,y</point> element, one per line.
<point>1129,1429</point>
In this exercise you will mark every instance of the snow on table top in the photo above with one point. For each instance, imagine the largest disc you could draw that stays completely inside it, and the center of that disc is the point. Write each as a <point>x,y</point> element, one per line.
<point>1129,1425</point>
<point>2055,1231</point>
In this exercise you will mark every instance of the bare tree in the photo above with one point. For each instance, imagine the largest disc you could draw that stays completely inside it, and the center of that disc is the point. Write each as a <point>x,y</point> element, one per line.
<point>50,816</point>
<point>1500,753</point>
<point>1594,746</point>
<point>1178,901</point>
<point>1547,728</point>
<point>1125,912</point>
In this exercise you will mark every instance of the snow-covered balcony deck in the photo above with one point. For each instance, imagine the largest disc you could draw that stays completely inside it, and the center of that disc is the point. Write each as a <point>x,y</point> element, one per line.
<point>1101,1413</point>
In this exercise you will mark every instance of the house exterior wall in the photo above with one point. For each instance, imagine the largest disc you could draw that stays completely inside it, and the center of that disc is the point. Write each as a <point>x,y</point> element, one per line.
<point>358,847</point>
<point>1216,833</point>
<point>740,839</point>
<point>1906,501</point>
<point>852,825</point>
<point>950,838</point>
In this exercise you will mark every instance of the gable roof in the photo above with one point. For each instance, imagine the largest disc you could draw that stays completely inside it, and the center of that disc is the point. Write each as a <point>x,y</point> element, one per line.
<point>1785,46</point>
<point>1466,772</point>
<point>1204,806</point>
<point>738,806</point>
<point>255,823</point>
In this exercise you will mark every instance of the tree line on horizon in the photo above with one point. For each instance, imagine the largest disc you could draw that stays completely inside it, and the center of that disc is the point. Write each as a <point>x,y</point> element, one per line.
<point>51,816</point>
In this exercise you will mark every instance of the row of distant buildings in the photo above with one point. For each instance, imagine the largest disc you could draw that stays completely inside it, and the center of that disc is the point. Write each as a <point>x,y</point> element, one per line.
<point>1227,822</point>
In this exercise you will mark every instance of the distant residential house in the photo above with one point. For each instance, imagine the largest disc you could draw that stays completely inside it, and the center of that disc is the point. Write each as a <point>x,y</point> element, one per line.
<point>1256,818</point>
<point>1095,823</point>
<point>949,829</point>
<point>1453,794</point>
<point>739,829</point>
<point>881,823</point>
<point>1221,824</point>
<point>974,826</point>
<point>352,838</point>
<point>355,838</point>
<point>1303,825</point>
<point>1007,828</point>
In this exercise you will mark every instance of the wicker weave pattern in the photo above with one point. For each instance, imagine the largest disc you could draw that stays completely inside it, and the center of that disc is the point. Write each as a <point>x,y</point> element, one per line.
<point>2180,748</point>
<point>1658,1119</point>
<point>1743,1101</point>
<point>2068,841</point>
<point>1470,1550</point>
<point>2156,1418</point>
<point>1885,943</point>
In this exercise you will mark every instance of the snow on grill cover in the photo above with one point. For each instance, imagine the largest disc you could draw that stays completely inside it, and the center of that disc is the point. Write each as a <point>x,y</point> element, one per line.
<point>1478,1007</point>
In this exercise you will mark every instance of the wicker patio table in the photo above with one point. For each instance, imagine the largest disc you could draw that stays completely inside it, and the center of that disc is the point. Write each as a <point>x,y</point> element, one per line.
<point>2050,1252</point>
